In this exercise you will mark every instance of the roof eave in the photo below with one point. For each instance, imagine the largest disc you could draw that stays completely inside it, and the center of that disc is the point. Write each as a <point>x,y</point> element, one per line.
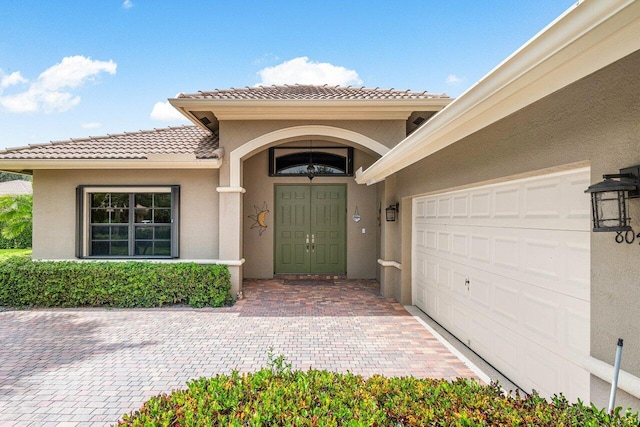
<point>587,37</point>
<point>292,109</point>
<point>13,165</point>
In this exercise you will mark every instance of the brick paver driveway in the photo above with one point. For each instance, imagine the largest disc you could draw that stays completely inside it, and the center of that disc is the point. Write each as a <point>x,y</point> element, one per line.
<point>89,366</point>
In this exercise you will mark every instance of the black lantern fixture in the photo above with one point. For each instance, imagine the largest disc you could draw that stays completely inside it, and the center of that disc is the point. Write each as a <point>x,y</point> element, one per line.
<point>311,169</point>
<point>391,212</point>
<point>609,200</point>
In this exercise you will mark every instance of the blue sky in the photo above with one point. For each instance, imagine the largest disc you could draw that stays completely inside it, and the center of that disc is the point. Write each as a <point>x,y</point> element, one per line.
<point>71,69</point>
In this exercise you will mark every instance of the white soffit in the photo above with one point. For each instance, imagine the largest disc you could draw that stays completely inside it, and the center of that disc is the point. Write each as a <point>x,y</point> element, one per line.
<point>587,37</point>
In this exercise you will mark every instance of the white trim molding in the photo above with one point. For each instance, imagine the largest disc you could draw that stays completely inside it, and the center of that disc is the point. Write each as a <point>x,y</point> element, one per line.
<point>307,109</point>
<point>390,264</point>
<point>230,190</point>
<point>589,36</point>
<point>626,381</point>
<point>272,138</point>
<point>160,163</point>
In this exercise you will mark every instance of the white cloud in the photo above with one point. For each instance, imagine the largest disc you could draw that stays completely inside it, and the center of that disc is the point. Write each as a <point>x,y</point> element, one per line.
<point>91,125</point>
<point>163,111</point>
<point>50,91</point>
<point>127,4</point>
<point>12,79</point>
<point>454,80</point>
<point>302,71</point>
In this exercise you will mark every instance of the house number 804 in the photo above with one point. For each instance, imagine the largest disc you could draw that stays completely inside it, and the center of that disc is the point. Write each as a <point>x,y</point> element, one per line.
<point>627,237</point>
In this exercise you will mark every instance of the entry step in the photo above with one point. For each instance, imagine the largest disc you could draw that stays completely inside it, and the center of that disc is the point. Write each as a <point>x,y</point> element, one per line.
<point>310,276</point>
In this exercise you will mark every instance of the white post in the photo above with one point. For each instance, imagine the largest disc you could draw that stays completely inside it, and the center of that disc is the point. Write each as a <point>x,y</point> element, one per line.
<point>616,372</point>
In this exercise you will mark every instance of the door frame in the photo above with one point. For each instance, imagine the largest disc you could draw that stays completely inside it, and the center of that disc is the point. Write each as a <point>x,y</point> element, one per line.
<point>276,214</point>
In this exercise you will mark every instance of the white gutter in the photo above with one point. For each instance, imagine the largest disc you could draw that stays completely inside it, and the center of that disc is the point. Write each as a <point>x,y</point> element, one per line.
<point>164,163</point>
<point>587,37</point>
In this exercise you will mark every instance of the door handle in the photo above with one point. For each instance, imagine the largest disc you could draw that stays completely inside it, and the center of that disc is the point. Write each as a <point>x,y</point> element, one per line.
<point>307,243</point>
<point>313,243</point>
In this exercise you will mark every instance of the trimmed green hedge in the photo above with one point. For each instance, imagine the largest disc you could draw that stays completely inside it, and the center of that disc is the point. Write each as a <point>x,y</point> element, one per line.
<point>321,398</point>
<point>27,283</point>
<point>21,242</point>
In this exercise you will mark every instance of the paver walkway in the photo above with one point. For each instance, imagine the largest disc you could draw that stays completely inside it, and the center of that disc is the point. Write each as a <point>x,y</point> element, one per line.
<point>89,366</point>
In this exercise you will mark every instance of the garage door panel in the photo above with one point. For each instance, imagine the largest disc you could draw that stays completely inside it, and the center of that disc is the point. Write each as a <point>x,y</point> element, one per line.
<point>540,317</point>
<point>542,200</point>
<point>459,280</point>
<point>443,243</point>
<point>505,301</point>
<point>459,245</point>
<point>418,296</point>
<point>556,202</point>
<point>575,334</point>
<point>577,277</point>
<point>444,207</point>
<point>444,278</point>
<point>542,258</point>
<point>480,290</point>
<point>480,204</point>
<point>507,202</point>
<point>459,206</point>
<point>542,370</point>
<point>575,383</point>
<point>420,239</point>
<point>505,353</point>
<point>460,323</point>
<point>574,196</point>
<point>525,309</point>
<point>480,248</point>
<point>506,270</point>
<point>550,259</point>
<point>506,252</point>
<point>481,335</point>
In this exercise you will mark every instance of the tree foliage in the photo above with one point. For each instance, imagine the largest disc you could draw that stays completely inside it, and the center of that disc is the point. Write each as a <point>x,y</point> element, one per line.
<point>16,216</point>
<point>8,176</point>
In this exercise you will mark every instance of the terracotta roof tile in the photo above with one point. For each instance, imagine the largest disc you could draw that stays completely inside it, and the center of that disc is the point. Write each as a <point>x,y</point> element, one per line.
<point>303,92</point>
<point>129,145</point>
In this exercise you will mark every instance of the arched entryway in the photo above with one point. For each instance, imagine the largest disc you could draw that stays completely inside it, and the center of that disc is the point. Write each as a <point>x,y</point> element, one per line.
<point>252,192</point>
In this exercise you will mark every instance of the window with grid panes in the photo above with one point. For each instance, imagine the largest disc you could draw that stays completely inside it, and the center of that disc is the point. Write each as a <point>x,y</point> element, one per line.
<point>122,224</point>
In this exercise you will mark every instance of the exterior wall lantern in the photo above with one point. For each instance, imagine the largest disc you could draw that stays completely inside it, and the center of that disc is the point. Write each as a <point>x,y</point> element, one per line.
<point>391,212</point>
<point>311,169</point>
<point>609,200</point>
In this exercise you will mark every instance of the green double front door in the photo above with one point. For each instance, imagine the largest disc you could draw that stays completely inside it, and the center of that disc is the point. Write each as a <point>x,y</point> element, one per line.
<point>310,229</point>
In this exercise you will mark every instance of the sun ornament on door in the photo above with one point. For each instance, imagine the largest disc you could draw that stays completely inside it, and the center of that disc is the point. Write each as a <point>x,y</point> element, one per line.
<point>260,218</point>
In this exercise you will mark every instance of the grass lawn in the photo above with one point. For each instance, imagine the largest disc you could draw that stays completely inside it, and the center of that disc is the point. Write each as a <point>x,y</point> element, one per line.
<point>5,253</point>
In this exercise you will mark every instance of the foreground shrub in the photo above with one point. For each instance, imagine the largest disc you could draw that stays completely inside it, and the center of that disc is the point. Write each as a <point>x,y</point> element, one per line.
<point>321,398</point>
<point>27,283</point>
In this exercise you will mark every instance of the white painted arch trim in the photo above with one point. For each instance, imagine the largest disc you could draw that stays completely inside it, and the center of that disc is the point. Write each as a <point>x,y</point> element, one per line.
<point>272,138</point>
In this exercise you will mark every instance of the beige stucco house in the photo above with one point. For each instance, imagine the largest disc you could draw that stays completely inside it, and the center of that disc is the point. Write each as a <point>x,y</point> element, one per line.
<point>492,233</point>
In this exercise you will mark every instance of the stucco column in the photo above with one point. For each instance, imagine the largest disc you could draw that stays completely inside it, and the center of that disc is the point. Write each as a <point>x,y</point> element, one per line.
<point>230,243</point>
<point>389,276</point>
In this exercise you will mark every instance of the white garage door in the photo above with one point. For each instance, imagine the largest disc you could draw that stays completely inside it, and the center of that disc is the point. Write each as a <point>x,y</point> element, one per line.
<point>505,268</point>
